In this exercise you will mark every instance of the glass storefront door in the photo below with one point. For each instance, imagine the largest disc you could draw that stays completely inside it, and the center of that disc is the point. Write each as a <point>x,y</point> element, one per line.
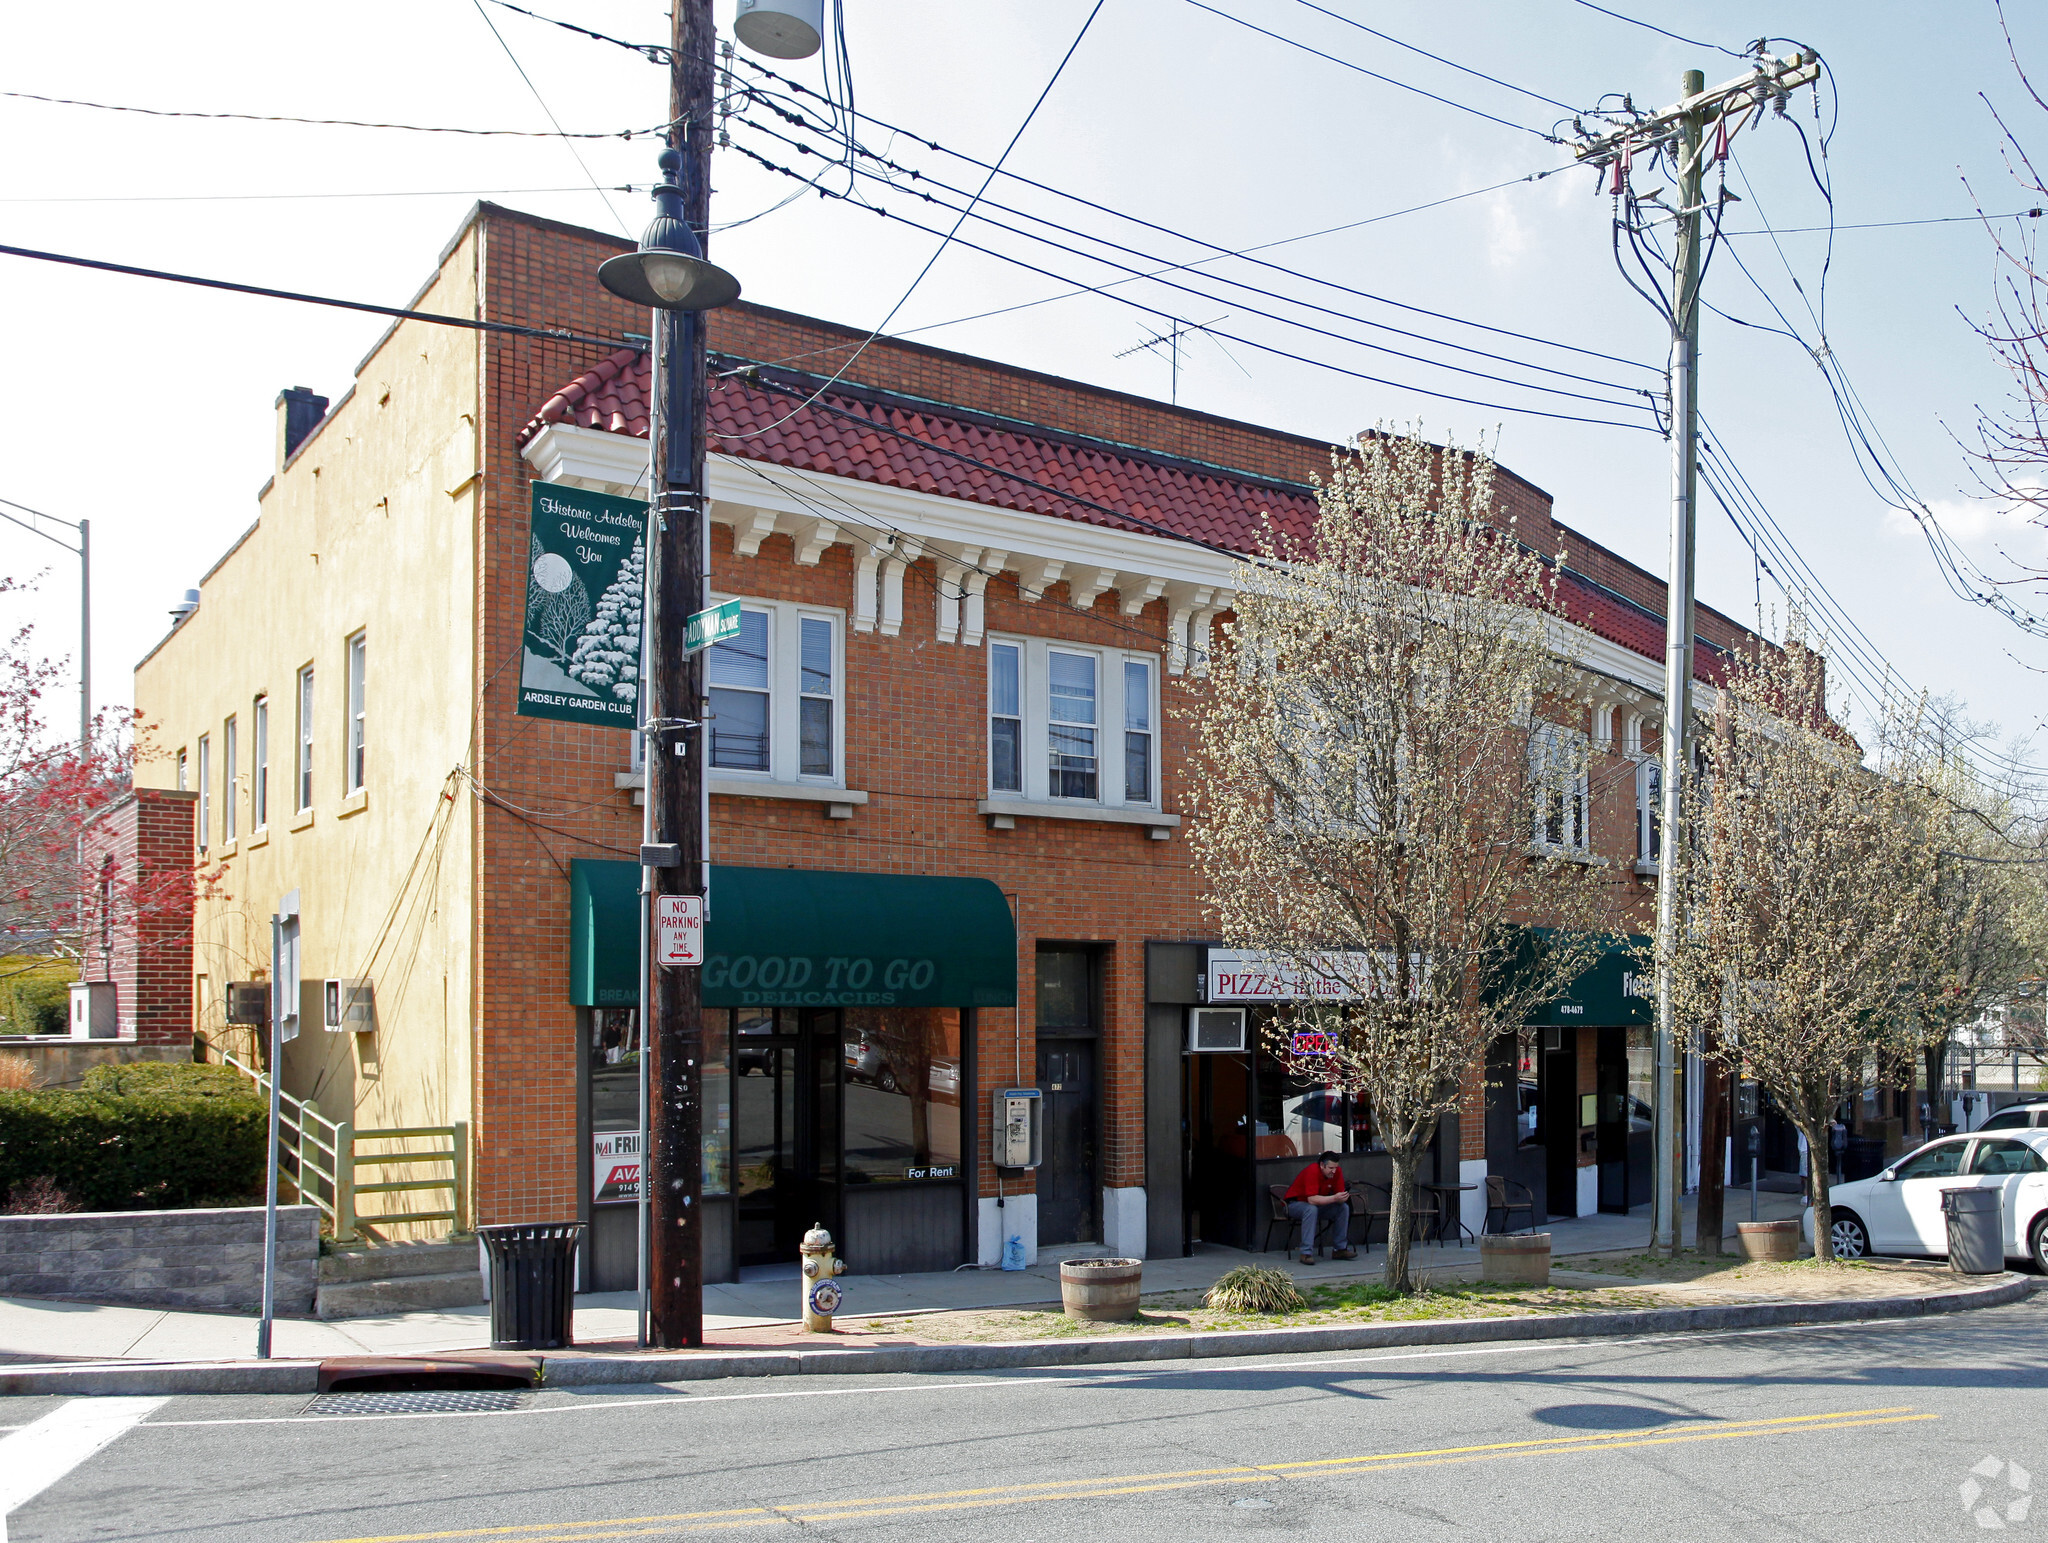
<point>785,1135</point>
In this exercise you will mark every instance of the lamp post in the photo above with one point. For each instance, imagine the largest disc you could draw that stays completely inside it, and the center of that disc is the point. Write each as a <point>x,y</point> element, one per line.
<point>83,552</point>
<point>669,275</point>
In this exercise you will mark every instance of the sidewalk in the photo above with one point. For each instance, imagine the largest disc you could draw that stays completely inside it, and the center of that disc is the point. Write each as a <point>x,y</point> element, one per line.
<point>749,1312</point>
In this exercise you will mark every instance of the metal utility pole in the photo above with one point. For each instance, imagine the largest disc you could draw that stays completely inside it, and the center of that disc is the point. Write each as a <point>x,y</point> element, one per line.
<point>672,1169</point>
<point>1679,132</point>
<point>83,552</point>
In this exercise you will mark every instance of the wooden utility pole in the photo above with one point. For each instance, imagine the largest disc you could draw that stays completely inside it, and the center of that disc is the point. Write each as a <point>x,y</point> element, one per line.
<point>672,1169</point>
<point>1679,131</point>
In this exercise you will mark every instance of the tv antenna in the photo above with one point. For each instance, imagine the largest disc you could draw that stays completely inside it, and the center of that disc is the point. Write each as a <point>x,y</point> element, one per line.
<point>1170,340</point>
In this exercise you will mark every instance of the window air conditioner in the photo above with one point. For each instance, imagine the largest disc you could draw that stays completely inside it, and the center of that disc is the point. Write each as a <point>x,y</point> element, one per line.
<point>1213,1030</point>
<point>347,1007</point>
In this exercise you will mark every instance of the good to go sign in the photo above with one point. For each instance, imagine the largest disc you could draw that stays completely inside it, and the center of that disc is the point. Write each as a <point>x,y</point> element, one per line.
<point>679,930</point>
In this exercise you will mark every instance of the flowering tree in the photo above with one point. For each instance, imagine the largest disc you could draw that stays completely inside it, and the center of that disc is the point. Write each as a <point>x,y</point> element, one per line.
<point>53,903</point>
<point>1814,885</point>
<point>1380,802</point>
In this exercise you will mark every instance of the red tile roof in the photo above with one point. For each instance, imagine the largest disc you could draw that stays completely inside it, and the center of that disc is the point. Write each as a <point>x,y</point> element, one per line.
<point>979,460</point>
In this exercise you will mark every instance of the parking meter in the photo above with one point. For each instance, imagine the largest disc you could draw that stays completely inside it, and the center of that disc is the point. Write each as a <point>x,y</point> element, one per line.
<point>1756,1161</point>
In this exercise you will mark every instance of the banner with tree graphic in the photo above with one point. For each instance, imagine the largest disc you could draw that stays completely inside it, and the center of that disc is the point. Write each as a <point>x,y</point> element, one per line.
<point>586,560</point>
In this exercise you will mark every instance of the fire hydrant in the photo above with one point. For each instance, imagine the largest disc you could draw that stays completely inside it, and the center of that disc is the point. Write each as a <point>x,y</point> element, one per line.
<point>821,1291</point>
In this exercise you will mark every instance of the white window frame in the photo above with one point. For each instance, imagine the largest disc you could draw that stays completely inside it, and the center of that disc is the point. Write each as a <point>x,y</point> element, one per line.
<point>353,752</point>
<point>230,735</point>
<point>785,693</point>
<point>1559,765</point>
<point>1034,687</point>
<point>303,685</point>
<point>259,774</point>
<point>204,758</point>
<point>182,779</point>
<point>1648,813</point>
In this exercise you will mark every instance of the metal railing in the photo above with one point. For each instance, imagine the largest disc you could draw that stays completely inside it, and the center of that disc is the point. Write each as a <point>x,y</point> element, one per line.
<point>321,1159</point>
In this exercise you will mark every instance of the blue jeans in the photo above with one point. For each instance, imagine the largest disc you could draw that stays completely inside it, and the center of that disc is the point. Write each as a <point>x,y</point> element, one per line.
<point>1307,1218</point>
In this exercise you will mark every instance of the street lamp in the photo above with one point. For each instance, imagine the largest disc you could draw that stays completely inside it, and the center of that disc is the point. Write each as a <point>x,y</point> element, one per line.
<point>669,275</point>
<point>83,552</point>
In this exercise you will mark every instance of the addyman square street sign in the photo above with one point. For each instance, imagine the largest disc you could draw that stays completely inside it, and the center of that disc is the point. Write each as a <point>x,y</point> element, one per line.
<point>712,626</point>
<point>679,930</point>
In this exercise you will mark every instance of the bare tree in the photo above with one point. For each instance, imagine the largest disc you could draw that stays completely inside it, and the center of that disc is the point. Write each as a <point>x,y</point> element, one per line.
<point>1814,884</point>
<point>1382,805</point>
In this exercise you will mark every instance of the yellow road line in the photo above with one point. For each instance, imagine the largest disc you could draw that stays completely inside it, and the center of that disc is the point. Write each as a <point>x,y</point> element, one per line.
<point>1149,1483</point>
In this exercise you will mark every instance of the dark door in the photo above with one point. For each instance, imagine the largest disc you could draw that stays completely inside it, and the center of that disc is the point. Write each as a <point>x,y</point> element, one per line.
<point>1560,1094</point>
<point>1066,1180</point>
<point>785,1131</point>
<point>1219,1175</point>
<point>1611,1119</point>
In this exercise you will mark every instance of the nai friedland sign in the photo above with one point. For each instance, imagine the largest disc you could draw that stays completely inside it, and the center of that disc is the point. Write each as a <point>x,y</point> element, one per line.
<point>586,558</point>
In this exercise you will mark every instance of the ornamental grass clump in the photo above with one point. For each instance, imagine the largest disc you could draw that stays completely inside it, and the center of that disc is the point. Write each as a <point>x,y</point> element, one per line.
<point>1254,1288</point>
<point>17,1073</point>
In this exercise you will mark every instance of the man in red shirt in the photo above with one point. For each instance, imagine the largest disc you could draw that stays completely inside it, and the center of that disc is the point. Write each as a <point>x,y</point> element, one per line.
<point>1315,1191</point>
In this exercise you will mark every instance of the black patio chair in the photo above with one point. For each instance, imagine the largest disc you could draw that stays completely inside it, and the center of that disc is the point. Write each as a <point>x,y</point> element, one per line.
<point>1500,1197</point>
<point>1276,1216</point>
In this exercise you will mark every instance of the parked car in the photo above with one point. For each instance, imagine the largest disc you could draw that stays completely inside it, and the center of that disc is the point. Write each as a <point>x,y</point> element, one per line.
<point>2020,1116</point>
<point>866,1062</point>
<point>1899,1210</point>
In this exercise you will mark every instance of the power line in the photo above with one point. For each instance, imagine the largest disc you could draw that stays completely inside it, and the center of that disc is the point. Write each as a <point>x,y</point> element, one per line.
<point>657,53</point>
<point>1134,274</point>
<point>1278,37</point>
<point>485,17</point>
<point>333,123</point>
<point>1945,219</point>
<point>510,329</point>
<point>1233,337</point>
<point>1652,27</point>
<point>1548,101</point>
<point>1223,251</point>
<point>231,198</point>
<point>949,237</point>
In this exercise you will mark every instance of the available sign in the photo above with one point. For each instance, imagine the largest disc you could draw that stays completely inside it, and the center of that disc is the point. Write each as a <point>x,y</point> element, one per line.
<point>679,930</point>
<point>615,1165</point>
<point>586,559</point>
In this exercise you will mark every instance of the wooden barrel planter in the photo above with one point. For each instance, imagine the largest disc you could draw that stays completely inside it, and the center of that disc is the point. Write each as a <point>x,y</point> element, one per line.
<point>1517,1258</point>
<point>1771,1240</point>
<point>1101,1289</point>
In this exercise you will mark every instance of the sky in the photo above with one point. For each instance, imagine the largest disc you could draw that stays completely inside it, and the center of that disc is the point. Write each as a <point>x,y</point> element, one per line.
<point>147,407</point>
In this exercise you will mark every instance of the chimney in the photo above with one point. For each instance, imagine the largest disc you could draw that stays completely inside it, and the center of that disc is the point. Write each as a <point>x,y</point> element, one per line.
<point>299,412</point>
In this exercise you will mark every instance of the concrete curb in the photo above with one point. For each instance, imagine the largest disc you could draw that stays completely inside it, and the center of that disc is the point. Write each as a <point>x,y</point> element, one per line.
<point>597,1370</point>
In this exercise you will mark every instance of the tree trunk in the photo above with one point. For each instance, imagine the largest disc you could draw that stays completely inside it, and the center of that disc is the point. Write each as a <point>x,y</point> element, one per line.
<point>1714,1128</point>
<point>1401,1216</point>
<point>1937,1106</point>
<point>1817,1189</point>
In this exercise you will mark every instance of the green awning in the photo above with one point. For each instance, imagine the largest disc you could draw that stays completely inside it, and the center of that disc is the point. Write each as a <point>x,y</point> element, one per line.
<point>1615,992</point>
<point>803,938</point>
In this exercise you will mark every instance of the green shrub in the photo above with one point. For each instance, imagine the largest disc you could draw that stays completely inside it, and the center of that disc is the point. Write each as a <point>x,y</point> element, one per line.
<point>1255,1288</point>
<point>138,1078</point>
<point>137,1151</point>
<point>35,997</point>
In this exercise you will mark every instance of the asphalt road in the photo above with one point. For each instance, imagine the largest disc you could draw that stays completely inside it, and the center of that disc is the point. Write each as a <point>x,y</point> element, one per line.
<point>1858,1432</point>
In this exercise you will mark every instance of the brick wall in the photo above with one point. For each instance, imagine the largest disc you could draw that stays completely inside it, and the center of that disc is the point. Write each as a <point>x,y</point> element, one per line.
<point>915,730</point>
<point>148,836</point>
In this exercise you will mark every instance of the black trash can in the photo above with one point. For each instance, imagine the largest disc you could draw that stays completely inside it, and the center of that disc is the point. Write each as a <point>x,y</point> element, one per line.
<point>1862,1159</point>
<point>1976,1245</point>
<point>533,1284</point>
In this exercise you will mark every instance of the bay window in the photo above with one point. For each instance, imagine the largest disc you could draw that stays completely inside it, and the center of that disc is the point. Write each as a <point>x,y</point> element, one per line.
<point>1560,794</point>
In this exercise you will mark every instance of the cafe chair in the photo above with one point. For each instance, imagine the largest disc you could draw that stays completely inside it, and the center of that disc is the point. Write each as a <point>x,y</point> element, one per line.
<point>1501,1197</point>
<point>1425,1216</point>
<point>1276,1216</point>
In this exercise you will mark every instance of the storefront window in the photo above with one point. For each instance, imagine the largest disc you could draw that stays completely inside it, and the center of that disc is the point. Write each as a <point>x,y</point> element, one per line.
<point>902,1069</point>
<point>614,1050</point>
<point>1066,990</point>
<point>1299,1116</point>
<point>1528,1094</point>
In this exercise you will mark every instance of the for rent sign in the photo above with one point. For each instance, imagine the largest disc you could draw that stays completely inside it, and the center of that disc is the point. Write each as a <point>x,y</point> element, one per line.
<point>586,556</point>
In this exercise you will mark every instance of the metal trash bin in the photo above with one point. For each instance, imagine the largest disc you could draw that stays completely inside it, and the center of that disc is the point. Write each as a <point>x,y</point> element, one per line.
<point>1976,1245</point>
<point>1863,1159</point>
<point>533,1284</point>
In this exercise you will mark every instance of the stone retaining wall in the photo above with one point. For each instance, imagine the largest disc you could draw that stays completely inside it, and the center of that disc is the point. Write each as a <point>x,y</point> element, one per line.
<point>210,1260</point>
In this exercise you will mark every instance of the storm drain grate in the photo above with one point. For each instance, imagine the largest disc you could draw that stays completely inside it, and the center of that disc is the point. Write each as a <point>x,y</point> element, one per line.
<point>436,1401</point>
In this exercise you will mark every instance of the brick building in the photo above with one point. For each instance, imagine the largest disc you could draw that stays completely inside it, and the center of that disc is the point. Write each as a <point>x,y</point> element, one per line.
<point>945,788</point>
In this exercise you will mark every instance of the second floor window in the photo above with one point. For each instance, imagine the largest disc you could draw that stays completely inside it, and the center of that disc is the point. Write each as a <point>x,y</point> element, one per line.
<point>259,772</point>
<point>358,659</point>
<point>1092,710</point>
<point>776,691</point>
<point>1649,812</point>
<point>205,792</point>
<point>305,767</point>
<point>182,778</point>
<point>1559,789</point>
<point>228,763</point>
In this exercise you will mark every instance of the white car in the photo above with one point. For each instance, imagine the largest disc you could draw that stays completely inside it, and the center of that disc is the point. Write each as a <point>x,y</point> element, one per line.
<point>1899,1210</point>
